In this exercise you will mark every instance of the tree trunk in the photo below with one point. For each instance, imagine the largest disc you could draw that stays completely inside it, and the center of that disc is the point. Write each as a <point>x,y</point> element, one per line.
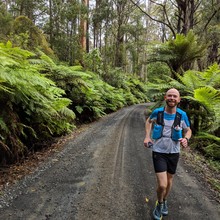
<point>51,24</point>
<point>119,49</point>
<point>121,18</point>
<point>213,55</point>
<point>84,27</point>
<point>186,10</point>
<point>26,8</point>
<point>96,24</point>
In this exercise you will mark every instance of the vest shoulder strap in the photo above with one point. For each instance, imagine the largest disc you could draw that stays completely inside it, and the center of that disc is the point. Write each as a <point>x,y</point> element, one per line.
<point>160,119</point>
<point>177,119</point>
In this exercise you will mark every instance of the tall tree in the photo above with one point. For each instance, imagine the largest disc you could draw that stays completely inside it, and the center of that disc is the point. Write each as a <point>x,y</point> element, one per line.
<point>211,30</point>
<point>84,25</point>
<point>34,10</point>
<point>178,16</point>
<point>186,10</point>
<point>63,29</point>
<point>98,16</point>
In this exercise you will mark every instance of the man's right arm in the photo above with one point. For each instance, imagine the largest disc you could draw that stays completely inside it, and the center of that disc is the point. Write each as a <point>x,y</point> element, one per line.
<point>148,127</point>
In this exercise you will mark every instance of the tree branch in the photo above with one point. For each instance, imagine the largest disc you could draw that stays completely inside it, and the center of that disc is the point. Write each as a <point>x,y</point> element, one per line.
<point>209,20</point>
<point>173,4</point>
<point>166,15</point>
<point>154,19</point>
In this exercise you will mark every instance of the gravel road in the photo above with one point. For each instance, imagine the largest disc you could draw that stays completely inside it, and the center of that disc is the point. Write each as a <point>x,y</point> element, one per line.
<point>105,173</point>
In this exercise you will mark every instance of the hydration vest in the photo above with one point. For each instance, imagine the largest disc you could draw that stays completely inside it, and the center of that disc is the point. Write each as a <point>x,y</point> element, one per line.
<point>176,130</point>
<point>160,119</point>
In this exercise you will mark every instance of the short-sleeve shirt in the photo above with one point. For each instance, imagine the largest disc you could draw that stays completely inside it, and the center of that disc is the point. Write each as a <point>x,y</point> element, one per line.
<point>165,144</point>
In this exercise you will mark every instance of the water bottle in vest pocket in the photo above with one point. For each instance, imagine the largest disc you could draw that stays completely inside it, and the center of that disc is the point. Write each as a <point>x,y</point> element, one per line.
<point>176,133</point>
<point>157,131</point>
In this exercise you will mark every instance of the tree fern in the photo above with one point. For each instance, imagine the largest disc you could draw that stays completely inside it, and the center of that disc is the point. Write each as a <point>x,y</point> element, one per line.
<point>35,107</point>
<point>201,99</point>
<point>40,98</point>
<point>178,53</point>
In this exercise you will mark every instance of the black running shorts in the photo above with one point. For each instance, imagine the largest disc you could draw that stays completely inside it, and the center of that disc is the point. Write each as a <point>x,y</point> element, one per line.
<point>165,162</point>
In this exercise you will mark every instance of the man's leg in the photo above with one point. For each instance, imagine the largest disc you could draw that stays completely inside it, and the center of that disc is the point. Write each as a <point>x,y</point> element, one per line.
<point>169,185</point>
<point>161,190</point>
<point>164,210</point>
<point>162,183</point>
<point>171,170</point>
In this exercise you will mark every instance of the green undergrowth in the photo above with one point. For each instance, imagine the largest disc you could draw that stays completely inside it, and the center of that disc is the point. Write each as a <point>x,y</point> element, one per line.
<point>207,168</point>
<point>43,99</point>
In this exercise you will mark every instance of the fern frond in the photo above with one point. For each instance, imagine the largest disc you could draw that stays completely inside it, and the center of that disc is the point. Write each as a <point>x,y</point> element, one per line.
<point>212,76</point>
<point>76,68</point>
<point>192,80</point>
<point>205,135</point>
<point>207,96</point>
<point>3,126</point>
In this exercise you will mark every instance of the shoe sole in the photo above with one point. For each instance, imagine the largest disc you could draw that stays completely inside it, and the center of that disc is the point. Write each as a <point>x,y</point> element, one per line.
<point>156,218</point>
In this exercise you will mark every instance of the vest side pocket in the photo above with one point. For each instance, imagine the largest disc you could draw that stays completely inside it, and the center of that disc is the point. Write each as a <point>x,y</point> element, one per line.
<point>157,131</point>
<point>176,134</point>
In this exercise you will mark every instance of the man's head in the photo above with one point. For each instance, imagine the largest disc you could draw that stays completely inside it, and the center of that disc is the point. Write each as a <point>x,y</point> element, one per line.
<point>172,97</point>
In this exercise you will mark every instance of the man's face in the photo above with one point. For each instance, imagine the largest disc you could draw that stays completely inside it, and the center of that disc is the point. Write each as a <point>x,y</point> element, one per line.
<point>172,98</point>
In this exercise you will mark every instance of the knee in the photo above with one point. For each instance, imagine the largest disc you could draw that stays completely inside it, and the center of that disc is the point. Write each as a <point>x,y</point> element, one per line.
<point>170,181</point>
<point>162,187</point>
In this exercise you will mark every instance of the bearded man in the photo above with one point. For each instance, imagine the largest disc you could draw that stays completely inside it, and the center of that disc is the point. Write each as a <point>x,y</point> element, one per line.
<point>170,129</point>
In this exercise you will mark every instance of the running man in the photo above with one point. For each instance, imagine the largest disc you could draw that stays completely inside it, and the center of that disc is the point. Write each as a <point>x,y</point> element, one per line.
<point>170,130</point>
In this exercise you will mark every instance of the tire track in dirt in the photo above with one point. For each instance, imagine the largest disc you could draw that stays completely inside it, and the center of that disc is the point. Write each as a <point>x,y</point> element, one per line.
<point>109,170</point>
<point>119,158</point>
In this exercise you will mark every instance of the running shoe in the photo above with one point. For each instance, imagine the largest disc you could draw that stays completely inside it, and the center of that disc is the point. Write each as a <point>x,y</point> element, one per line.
<point>157,213</point>
<point>165,208</point>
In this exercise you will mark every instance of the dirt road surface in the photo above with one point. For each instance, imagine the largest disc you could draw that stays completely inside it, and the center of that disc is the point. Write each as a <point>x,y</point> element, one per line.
<point>105,174</point>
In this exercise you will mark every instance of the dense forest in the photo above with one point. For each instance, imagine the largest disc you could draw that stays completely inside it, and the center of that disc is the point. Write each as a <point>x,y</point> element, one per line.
<point>66,62</point>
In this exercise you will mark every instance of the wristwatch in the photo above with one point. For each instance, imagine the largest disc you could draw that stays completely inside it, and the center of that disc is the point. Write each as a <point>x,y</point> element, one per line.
<point>187,139</point>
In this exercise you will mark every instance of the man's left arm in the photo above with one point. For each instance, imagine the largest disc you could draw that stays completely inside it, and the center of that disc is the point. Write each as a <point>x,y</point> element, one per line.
<point>187,135</point>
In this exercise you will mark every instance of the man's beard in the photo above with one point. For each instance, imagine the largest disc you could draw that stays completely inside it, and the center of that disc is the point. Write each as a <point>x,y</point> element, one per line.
<point>173,105</point>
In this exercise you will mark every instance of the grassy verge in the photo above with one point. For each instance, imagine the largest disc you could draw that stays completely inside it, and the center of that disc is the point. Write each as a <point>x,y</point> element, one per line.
<point>208,170</point>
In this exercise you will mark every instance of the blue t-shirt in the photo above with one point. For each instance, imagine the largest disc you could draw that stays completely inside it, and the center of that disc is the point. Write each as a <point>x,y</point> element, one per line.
<point>165,144</point>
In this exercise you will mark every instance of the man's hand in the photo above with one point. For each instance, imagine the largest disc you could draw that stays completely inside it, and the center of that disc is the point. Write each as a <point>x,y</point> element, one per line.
<point>184,142</point>
<point>147,141</point>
